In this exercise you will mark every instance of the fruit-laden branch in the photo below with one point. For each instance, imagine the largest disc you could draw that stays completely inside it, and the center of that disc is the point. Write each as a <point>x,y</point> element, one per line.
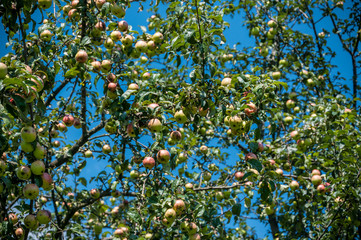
<point>72,151</point>
<point>219,187</point>
<point>56,92</point>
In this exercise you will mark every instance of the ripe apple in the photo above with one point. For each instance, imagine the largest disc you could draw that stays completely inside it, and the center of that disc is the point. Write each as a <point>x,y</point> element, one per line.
<point>31,191</point>
<point>127,40</point>
<point>182,157</point>
<point>106,66</point>
<point>294,134</point>
<point>250,156</point>
<point>170,214</point>
<point>316,180</point>
<point>88,153</point>
<point>141,46</point>
<point>46,35</point>
<point>276,75</point>
<point>28,134</point>
<point>96,66</point>
<point>109,43</point>
<point>219,196</point>
<point>283,62</point>
<point>146,75</point>
<point>263,52</point>
<point>238,176</point>
<point>180,117</point>
<point>99,3</point>
<point>163,156</point>
<point>30,221</point>
<point>226,82</point>
<point>157,37</point>
<point>13,218</point>
<point>39,152</point>
<point>255,31</point>
<point>189,186</point>
<point>81,56</point>
<point>56,144</point>
<point>316,172</point>
<point>43,216</point>
<point>112,86</point>
<point>235,122</point>
<point>47,181</point>
<point>3,70</point>
<point>117,10</point>
<point>179,206</point>
<point>195,236</point>
<point>321,188</point>
<point>68,120</point>
<point>23,172</point>
<point>294,185</point>
<point>133,86</point>
<point>192,228</point>
<point>94,193</point>
<point>73,15</point>
<point>149,162</point>
<point>176,136</point>
<point>154,125</point>
<point>321,35</point>
<point>116,35</point>
<point>151,46</point>
<point>123,26</point>
<point>130,130</point>
<point>77,123</point>
<point>310,83</point>
<point>19,233</point>
<point>279,171</point>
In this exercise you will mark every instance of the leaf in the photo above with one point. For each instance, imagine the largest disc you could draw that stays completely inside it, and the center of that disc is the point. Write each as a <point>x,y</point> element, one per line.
<point>236,209</point>
<point>255,163</point>
<point>281,83</point>
<point>73,72</point>
<point>83,181</point>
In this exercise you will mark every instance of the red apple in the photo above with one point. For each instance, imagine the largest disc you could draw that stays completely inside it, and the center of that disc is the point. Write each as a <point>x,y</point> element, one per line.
<point>149,162</point>
<point>163,156</point>
<point>68,120</point>
<point>81,56</point>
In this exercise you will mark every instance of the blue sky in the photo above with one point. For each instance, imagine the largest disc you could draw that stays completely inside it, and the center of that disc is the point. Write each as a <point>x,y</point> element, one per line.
<point>236,26</point>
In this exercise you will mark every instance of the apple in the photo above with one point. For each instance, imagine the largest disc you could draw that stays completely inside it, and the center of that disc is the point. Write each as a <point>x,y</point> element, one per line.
<point>195,236</point>
<point>294,185</point>
<point>117,10</point>
<point>151,46</point>
<point>19,233</point>
<point>288,120</point>
<point>77,123</point>
<point>130,130</point>
<point>96,66</point>
<point>37,167</point>
<point>269,210</point>
<point>68,120</point>
<point>235,122</point>
<point>109,43</point>
<point>279,171</point>
<point>321,35</point>
<point>39,152</point>
<point>56,144</point>
<point>23,172</point>
<point>204,149</point>
<point>316,180</point>
<point>43,216</point>
<point>154,125</point>
<point>88,153</point>
<point>3,70</point>
<point>310,83</point>
<point>98,228</point>
<point>127,40</point>
<point>106,149</point>
<point>134,174</point>
<point>163,156</point>
<point>13,218</point>
<point>146,75</point>
<point>26,147</point>
<point>74,3</point>
<point>182,157</point>
<point>207,176</point>
<point>30,221</point>
<point>283,62</point>
<point>81,56</point>
<point>94,193</point>
<point>106,66</point>
<point>179,206</point>
<point>54,133</point>
<point>123,26</point>
<point>157,37</point>
<point>189,186</point>
<point>316,172</point>
<point>250,156</point>
<point>294,134</point>
<point>112,86</point>
<point>44,4</point>
<point>47,181</point>
<point>46,35</point>
<point>255,31</point>
<point>276,75</point>
<point>31,191</point>
<point>141,46</point>
<point>99,3</point>
<point>192,228</point>
<point>239,176</point>
<point>100,26</point>
<point>180,117</point>
<point>149,162</point>
<point>133,86</point>
<point>61,127</point>
<point>109,128</point>
<point>176,136</point>
<point>116,35</point>
<point>226,82</point>
<point>263,52</point>
<point>219,196</point>
<point>321,188</point>
<point>28,134</point>
<point>272,23</point>
<point>73,15</point>
<point>290,104</point>
<point>170,214</point>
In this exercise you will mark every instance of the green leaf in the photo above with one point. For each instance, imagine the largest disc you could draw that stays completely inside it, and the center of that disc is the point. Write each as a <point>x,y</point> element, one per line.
<point>73,72</point>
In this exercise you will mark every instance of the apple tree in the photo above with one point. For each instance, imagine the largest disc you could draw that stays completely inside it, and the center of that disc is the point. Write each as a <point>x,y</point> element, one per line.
<point>113,128</point>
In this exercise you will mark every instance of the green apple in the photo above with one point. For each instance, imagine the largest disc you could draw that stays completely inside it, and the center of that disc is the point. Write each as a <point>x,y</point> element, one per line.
<point>3,70</point>
<point>28,134</point>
